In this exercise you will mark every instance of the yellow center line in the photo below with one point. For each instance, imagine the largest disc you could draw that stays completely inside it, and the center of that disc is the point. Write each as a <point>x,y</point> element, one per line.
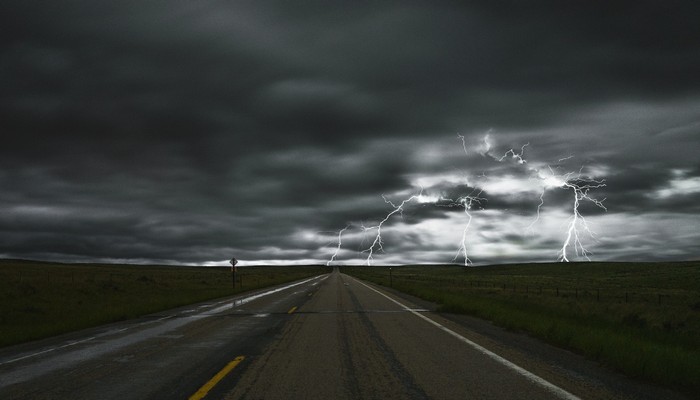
<point>213,381</point>
<point>291,310</point>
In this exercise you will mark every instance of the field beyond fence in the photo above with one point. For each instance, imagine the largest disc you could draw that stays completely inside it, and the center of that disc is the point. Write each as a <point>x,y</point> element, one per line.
<point>38,300</point>
<point>640,318</point>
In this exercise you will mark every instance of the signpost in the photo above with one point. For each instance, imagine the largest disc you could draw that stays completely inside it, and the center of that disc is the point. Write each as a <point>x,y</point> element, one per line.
<point>233,272</point>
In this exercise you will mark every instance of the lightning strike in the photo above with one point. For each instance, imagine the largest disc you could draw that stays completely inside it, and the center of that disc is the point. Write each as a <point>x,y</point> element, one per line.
<point>580,186</point>
<point>466,202</point>
<point>340,243</point>
<point>378,242</point>
<point>566,158</point>
<point>549,181</point>
<point>539,207</point>
<point>513,154</point>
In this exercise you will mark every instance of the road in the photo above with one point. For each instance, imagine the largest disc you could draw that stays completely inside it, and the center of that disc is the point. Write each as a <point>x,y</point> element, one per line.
<point>329,337</point>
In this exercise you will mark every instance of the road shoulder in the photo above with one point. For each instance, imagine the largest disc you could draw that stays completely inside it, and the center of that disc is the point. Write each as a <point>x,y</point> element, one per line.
<point>559,366</point>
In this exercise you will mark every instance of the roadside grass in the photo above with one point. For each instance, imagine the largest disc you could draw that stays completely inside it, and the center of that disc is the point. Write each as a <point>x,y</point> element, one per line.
<point>39,300</point>
<point>642,319</point>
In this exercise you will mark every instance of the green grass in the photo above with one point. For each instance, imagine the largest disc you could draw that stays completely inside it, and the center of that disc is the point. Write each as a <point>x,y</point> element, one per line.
<point>640,318</point>
<point>39,300</point>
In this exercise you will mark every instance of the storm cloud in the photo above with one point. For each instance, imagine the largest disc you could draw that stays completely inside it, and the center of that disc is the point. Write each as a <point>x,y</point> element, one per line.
<point>191,132</point>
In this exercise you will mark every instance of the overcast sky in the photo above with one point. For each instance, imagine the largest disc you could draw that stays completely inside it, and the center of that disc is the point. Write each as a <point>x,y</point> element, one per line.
<point>194,131</point>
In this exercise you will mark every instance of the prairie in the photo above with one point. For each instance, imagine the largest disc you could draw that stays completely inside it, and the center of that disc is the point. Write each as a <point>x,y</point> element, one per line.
<point>39,299</point>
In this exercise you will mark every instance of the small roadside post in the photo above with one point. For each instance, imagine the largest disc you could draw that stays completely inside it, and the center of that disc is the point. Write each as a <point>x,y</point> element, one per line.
<point>391,280</point>
<point>233,272</point>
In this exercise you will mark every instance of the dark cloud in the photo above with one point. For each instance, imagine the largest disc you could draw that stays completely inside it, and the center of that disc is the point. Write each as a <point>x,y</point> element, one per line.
<point>186,132</point>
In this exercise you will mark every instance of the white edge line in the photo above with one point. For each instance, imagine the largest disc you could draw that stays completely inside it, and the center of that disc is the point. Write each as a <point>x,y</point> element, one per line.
<point>259,295</point>
<point>218,309</point>
<point>520,370</point>
<point>47,351</point>
<point>104,334</point>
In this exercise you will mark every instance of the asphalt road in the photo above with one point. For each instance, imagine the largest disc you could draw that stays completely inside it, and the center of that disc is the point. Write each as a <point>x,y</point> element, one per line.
<point>330,337</point>
<point>165,356</point>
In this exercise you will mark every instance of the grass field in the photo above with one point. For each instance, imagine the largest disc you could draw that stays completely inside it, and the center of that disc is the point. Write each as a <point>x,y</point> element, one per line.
<point>38,300</point>
<point>640,318</point>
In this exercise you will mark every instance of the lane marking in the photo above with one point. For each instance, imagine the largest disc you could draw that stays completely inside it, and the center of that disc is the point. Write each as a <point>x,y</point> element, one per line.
<point>101,335</point>
<point>48,350</point>
<point>291,310</point>
<point>219,376</point>
<point>561,393</point>
<point>203,314</point>
<point>245,300</point>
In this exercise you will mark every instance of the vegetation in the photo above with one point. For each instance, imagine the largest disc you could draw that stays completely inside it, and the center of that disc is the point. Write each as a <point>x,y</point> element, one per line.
<point>38,300</point>
<point>640,318</point>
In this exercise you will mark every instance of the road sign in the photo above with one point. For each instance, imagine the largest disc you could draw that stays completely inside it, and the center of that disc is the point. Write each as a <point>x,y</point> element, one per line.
<point>233,272</point>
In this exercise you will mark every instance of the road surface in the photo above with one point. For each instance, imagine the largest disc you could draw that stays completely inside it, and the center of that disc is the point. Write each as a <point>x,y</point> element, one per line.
<point>329,337</point>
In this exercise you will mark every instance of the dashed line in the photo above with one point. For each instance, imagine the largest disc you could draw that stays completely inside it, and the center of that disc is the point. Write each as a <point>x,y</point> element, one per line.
<point>291,310</point>
<point>218,377</point>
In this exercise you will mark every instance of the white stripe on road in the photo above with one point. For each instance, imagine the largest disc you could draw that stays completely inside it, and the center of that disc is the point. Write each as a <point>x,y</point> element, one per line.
<point>47,351</point>
<point>245,300</point>
<point>522,371</point>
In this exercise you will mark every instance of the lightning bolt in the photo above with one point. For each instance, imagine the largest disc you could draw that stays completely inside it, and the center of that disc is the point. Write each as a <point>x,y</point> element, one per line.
<point>513,154</point>
<point>569,157</point>
<point>340,243</point>
<point>378,242</point>
<point>469,201</point>
<point>466,202</point>
<point>580,186</point>
<point>539,207</point>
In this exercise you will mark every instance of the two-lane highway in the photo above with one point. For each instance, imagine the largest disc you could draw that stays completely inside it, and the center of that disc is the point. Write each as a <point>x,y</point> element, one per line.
<point>329,337</point>
<point>352,342</point>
